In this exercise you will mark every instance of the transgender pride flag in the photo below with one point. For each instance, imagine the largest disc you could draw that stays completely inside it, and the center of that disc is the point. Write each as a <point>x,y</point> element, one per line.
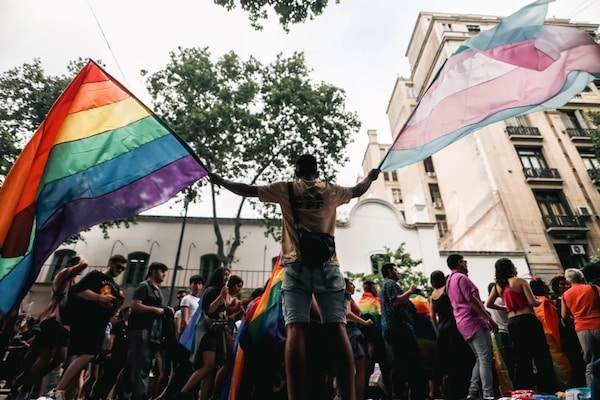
<point>519,67</point>
<point>99,155</point>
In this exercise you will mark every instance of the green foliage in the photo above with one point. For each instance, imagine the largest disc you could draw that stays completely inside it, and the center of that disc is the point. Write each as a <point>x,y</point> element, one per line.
<point>249,122</point>
<point>288,11</point>
<point>406,266</point>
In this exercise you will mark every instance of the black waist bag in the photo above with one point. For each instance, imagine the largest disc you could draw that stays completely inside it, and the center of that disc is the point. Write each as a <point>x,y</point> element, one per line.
<point>316,248</point>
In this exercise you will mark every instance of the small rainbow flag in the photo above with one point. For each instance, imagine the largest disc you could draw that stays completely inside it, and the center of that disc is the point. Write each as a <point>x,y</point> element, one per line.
<point>99,155</point>
<point>262,318</point>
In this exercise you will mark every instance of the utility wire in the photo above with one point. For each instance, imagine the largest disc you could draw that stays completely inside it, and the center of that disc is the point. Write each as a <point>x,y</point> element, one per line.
<point>107,43</point>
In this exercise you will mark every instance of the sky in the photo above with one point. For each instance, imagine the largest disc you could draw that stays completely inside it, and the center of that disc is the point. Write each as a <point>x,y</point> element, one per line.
<point>356,45</point>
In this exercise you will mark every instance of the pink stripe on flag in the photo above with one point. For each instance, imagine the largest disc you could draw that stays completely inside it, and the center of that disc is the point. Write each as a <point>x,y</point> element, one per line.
<point>474,104</point>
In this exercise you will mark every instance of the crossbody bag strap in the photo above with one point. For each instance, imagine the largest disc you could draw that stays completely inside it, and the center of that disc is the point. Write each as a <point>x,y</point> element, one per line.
<point>293,204</point>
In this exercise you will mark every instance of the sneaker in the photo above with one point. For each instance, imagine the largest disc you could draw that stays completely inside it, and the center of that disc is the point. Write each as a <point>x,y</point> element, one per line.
<point>473,396</point>
<point>56,394</point>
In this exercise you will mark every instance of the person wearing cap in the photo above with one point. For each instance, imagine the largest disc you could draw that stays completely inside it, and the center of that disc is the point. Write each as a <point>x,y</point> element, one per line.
<point>189,303</point>
<point>145,332</point>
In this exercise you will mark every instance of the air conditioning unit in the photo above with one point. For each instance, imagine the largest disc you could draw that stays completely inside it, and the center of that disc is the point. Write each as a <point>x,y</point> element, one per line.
<point>583,211</point>
<point>577,249</point>
<point>437,204</point>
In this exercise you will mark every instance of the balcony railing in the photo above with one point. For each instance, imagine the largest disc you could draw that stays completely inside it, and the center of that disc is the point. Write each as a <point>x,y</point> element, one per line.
<point>252,278</point>
<point>579,132</point>
<point>523,131</point>
<point>594,174</point>
<point>566,221</point>
<point>541,173</point>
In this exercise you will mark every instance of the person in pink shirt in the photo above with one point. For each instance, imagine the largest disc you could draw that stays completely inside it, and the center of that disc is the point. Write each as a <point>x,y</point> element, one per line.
<point>50,345</point>
<point>582,303</point>
<point>474,323</point>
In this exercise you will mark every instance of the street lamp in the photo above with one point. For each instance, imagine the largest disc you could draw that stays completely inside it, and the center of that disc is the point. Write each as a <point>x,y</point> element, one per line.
<point>192,244</point>
<point>154,242</point>
<point>186,201</point>
<point>112,250</point>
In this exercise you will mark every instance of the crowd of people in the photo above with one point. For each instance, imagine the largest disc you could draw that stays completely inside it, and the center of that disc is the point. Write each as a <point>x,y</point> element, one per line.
<point>319,343</point>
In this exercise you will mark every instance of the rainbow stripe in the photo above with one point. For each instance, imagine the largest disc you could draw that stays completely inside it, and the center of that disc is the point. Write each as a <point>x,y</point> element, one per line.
<point>262,318</point>
<point>518,67</point>
<point>99,155</point>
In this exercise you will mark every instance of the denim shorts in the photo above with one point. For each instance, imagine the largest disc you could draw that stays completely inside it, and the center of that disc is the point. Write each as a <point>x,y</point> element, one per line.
<point>327,284</point>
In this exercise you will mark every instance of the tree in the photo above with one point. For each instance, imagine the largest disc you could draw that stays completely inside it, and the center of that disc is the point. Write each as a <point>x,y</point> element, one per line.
<point>26,95</point>
<point>288,11</point>
<point>248,121</point>
<point>406,267</point>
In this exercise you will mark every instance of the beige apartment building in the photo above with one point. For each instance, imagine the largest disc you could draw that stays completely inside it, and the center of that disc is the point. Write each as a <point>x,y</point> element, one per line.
<point>527,184</point>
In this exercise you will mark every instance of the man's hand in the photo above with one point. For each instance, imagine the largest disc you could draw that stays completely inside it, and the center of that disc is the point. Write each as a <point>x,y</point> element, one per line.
<point>373,174</point>
<point>413,289</point>
<point>492,326</point>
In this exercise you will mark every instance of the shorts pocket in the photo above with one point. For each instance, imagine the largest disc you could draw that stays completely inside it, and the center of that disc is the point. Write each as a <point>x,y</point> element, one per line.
<point>333,280</point>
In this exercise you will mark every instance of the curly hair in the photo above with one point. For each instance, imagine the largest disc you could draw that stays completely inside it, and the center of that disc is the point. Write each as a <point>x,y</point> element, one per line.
<point>505,269</point>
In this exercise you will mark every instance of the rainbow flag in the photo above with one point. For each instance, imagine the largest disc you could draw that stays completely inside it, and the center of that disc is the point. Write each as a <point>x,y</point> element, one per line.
<point>99,155</point>
<point>262,318</point>
<point>518,67</point>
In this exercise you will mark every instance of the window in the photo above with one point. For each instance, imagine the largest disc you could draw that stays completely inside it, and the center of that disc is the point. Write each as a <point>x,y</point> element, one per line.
<point>573,119</point>
<point>447,27</point>
<point>532,158</point>
<point>137,267</point>
<point>442,225</point>
<point>386,176</point>
<point>597,84</point>
<point>377,261</point>
<point>428,164</point>
<point>397,196</point>
<point>589,159</point>
<point>410,90</point>
<point>516,121</point>
<point>394,176</point>
<point>436,197</point>
<point>473,28</point>
<point>554,208</point>
<point>59,261</point>
<point>208,264</point>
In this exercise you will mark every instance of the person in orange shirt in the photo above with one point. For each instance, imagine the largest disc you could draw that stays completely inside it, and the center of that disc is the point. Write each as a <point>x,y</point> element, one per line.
<point>582,303</point>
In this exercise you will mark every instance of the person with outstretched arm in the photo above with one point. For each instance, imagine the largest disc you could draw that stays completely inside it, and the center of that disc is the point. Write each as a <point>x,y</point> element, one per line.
<point>315,202</point>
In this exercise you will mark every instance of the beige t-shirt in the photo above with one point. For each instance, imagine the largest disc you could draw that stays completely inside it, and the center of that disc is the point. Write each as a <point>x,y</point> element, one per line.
<point>317,202</point>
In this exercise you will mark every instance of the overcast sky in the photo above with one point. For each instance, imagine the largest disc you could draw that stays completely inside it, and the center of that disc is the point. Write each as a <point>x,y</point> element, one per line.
<point>357,45</point>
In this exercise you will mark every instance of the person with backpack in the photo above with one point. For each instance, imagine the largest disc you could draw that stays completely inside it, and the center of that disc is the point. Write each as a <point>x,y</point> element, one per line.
<point>49,348</point>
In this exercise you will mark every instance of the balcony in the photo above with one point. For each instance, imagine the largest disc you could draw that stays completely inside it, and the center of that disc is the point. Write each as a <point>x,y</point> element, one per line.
<point>563,226</point>
<point>594,174</point>
<point>520,133</point>
<point>577,134</point>
<point>542,175</point>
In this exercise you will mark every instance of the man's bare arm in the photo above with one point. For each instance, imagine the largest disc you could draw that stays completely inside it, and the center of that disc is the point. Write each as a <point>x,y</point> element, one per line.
<point>240,189</point>
<point>364,185</point>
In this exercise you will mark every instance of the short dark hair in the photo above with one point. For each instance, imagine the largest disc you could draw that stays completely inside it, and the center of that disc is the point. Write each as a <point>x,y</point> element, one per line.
<point>453,260</point>
<point>385,269</point>
<point>555,283</point>
<point>155,266</point>
<point>196,278</point>
<point>437,279</point>
<point>117,258</point>
<point>306,165</point>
